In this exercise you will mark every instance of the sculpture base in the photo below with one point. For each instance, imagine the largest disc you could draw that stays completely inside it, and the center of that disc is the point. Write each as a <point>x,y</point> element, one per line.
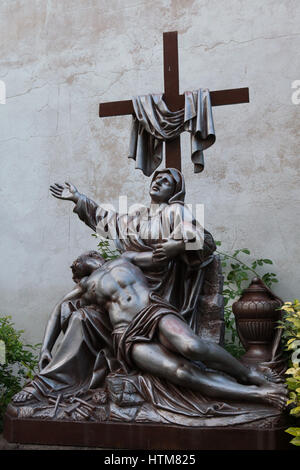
<point>261,435</point>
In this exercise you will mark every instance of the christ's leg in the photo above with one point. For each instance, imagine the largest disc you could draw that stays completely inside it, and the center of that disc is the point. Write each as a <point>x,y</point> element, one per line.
<point>158,361</point>
<point>177,334</point>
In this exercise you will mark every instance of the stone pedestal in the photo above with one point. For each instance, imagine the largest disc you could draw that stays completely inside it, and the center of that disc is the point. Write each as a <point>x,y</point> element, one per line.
<point>266,434</point>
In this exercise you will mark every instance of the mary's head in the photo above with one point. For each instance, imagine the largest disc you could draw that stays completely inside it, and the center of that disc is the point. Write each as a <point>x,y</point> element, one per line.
<point>167,186</point>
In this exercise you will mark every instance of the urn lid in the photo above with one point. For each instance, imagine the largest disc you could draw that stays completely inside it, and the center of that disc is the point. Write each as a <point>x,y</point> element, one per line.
<point>256,286</point>
<point>259,291</point>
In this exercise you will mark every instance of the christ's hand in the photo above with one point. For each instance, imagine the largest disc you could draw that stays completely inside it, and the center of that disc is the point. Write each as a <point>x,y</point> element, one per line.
<point>65,191</point>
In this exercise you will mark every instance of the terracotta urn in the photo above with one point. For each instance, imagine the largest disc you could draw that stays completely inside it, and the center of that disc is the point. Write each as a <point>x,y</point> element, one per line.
<point>256,318</point>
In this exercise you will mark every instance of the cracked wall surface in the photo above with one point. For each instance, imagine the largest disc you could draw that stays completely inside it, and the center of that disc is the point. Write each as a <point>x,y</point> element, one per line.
<point>60,59</point>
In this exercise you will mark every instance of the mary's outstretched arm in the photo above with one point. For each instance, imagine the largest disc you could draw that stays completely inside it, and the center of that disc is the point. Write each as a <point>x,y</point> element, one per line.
<point>97,218</point>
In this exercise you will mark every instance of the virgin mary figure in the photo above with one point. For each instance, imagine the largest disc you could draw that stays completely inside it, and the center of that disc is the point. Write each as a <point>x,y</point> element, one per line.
<point>164,240</point>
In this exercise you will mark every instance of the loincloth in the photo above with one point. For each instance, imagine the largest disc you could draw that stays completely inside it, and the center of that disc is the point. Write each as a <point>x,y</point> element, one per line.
<point>142,328</point>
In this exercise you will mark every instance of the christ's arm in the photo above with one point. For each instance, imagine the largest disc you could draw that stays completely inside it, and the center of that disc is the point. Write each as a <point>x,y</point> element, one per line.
<point>143,259</point>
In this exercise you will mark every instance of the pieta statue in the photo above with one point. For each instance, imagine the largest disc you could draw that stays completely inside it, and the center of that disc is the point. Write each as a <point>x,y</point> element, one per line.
<point>142,333</point>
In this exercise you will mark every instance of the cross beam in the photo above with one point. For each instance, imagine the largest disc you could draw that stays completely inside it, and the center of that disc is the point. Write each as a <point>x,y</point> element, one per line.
<point>172,98</point>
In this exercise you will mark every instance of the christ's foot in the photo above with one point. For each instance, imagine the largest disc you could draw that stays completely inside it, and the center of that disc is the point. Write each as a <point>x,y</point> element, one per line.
<point>273,395</point>
<point>271,375</point>
<point>258,376</point>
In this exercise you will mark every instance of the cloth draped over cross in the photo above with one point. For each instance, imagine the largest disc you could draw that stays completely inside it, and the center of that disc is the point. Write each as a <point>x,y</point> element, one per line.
<point>153,123</point>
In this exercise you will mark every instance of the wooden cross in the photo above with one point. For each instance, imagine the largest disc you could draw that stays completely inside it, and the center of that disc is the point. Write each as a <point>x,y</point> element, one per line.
<point>173,99</point>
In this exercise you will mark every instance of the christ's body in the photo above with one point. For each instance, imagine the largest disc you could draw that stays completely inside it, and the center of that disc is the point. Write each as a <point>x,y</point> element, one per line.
<point>172,350</point>
<point>121,288</point>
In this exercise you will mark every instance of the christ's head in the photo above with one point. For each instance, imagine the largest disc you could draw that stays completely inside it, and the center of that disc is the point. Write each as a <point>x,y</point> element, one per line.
<point>85,264</point>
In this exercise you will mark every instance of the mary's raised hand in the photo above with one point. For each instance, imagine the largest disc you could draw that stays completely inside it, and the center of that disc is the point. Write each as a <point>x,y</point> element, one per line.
<point>65,191</point>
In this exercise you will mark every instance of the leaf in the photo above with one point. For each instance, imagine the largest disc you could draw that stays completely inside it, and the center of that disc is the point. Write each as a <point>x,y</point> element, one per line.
<point>295,321</point>
<point>295,411</point>
<point>287,308</point>
<point>246,251</point>
<point>291,370</point>
<point>235,266</point>
<point>293,431</point>
<point>267,261</point>
<point>296,441</point>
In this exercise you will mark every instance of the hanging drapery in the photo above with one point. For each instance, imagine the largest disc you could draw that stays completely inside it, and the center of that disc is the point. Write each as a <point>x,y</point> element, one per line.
<point>153,123</point>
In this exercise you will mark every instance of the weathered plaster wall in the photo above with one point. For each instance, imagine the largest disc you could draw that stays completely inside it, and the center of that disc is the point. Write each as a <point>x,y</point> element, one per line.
<point>59,59</point>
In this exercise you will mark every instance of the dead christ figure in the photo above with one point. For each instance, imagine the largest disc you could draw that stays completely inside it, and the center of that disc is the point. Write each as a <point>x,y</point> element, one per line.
<point>151,336</point>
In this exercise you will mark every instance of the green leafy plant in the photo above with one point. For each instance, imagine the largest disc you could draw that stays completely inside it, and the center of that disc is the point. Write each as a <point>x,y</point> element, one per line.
<point>237,275</point>
<point>290,324</point>
<point>105,249</point>
<point>18,363</point>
